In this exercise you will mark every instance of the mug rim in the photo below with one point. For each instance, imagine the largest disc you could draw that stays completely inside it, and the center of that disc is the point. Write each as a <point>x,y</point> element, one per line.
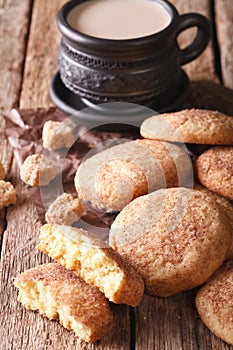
<point>84,39</point>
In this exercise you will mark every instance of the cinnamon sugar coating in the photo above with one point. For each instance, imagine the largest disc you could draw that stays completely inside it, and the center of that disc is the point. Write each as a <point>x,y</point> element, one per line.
<point>227,205</point>
<point>61,295</point>
<point>214,302</point>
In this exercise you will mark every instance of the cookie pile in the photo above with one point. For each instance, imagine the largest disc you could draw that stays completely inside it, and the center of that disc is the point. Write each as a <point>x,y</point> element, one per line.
<point>88,274</point>
<point>172,233</point>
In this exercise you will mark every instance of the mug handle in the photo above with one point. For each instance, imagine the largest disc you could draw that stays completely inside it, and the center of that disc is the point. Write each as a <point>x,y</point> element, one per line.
<point>200,41</point>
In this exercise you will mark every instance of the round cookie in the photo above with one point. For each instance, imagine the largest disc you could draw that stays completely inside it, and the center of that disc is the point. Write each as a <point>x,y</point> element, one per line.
<point>214,170</point>
<point>114,177</point>
<point>227,205</point>
<point>175,238</point>
<point>196,126</point>
<point>214,302</point>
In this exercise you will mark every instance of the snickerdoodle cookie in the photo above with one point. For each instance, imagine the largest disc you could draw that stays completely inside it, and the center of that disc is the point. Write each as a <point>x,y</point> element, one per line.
<point>114,177</point>
<point>65,210</point>
<point>214,302</point>
<point>227,205</point>
<point>196,126</point>
<point>7,194</point>
<point>37,170</point>
<point>93,260</point>
<point>175,238</point>
<point>61,295</point>
<point>214,169</point>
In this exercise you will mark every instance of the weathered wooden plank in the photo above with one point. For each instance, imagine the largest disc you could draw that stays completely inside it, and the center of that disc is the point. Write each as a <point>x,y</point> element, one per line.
<point>224,21</point>
<point>27,330</point>
<point>157,324</point>
<point>210,95</point>
<point>14,19</point>
<point>202,67</point>
<point>6,159</point>
<point>173,324</point>
<point>40,65</point>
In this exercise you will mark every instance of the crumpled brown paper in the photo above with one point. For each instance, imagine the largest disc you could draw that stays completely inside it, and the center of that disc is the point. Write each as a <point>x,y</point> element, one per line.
<point>24,131</point>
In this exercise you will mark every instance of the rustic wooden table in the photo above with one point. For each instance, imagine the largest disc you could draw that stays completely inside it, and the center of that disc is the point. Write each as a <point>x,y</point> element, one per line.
<point>28,42</point>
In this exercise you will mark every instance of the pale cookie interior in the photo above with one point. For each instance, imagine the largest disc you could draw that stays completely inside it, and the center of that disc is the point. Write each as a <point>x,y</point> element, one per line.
<point>96,264</point>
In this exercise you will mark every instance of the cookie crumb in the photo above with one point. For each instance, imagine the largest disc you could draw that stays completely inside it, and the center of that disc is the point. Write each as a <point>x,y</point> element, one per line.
<point>7,194</point>
<point>65,210</point>
<point>37,170</point>
<point>57,135</point>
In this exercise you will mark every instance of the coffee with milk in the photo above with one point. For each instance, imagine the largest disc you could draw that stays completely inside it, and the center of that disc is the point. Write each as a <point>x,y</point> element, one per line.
<point>119,19</point>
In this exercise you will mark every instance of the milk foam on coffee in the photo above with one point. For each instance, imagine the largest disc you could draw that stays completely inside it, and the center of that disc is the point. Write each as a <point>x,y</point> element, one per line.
<point>119,19</point>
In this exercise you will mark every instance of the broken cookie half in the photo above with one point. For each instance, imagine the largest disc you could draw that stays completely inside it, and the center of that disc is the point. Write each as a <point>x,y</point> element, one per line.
<point>61,295</point>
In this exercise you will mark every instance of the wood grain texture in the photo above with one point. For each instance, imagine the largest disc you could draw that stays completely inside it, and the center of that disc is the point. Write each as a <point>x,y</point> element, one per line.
<point>40,65</point>
<point>155,319</point>
<point>202,67</point>
<point>210,95</point>
<point>14,19</point>
<point>173,324</point>
<point>24,330</point>
<point>224,27</point>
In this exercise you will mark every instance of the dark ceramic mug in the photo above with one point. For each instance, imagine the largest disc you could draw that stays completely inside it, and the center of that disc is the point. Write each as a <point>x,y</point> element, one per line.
<point>142,70</point>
